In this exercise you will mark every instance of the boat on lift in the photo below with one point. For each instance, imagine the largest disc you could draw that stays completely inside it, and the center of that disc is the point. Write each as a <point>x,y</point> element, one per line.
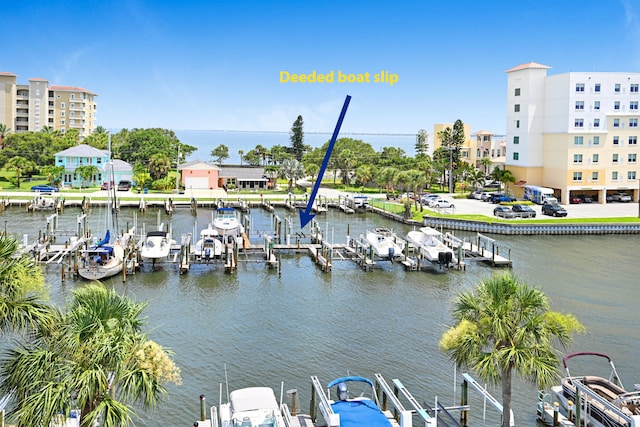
<point>209,245</point>
<point>385,243</point>
<point>227,223</point>
<point>156,245</point>
<point>431,245</point>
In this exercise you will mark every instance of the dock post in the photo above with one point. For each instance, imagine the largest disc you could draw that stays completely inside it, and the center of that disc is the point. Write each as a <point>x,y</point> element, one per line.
<point>570,410</point>
<point>203,409</point>
<point>556,412</point>
<point>464,401</point>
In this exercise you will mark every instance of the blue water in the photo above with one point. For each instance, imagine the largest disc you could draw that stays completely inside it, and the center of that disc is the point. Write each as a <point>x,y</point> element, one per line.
<point>268,328</point>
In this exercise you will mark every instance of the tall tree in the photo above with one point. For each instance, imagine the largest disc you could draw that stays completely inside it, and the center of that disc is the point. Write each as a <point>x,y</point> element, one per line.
<point>87,174</point>
<point>220,153</point>
<point>97,354</point>
<point>505,325</point>
<point>53,173</point>
<point>240,153</point>
<point>297,139</point>
<point>422,144</point>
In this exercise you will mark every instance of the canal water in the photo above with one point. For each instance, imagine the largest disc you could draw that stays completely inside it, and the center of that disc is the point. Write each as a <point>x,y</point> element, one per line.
<point>267,328</point>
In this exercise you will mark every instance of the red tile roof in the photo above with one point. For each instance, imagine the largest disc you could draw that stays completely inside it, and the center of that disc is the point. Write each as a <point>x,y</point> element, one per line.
<point>5,73</point>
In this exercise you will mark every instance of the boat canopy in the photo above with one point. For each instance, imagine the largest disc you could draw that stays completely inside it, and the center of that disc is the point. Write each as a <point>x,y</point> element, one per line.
<point>351,378</point>
<point>225,209</point>
<point>157,234</point>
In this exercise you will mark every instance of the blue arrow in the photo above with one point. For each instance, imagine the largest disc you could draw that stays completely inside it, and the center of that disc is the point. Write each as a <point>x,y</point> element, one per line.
<point>306,215</point>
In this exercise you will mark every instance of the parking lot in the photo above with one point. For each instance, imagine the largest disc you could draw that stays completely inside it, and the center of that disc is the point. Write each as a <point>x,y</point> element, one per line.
<point>580,210</point>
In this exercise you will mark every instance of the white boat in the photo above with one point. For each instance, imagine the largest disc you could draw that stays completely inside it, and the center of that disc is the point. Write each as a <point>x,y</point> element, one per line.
<point>357,201</point>
<point>104,259</point>
<point>385,243</point>
<point>604,401</point>
<point>227,224</point>
<point>209,245</point>
<point>156,245</point>
<point>43,201</point>
<point>251,407</point>
<point>429,241</point>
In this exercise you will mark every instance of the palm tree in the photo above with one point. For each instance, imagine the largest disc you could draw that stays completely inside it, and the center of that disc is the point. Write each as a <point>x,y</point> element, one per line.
<point>292,170</point>
<point>241,153</point>
<point>364,174</point>
<point>159,165</point>
<point>4,130</point>
<point>20,165</point>
<point>476,178</point>
<point>505,325</point>
<point>22,290</point>
<point>96,358</point>
<point>86,173</point>
<point>485,162</point>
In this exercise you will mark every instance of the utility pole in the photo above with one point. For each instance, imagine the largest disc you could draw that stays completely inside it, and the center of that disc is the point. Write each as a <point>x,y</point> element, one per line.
<point>177,170</point>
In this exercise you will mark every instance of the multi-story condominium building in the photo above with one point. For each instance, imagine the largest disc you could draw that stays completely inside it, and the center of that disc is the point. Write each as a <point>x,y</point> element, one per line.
<point>575,132</point>
<point>477,146</point>
<point>37,104</point>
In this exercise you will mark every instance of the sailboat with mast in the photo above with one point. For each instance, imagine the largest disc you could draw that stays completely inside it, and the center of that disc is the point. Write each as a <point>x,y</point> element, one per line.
<point>105,259</point>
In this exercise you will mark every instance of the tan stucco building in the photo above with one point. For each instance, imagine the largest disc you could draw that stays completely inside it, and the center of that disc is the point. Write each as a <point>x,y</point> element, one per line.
<point>32,106</point>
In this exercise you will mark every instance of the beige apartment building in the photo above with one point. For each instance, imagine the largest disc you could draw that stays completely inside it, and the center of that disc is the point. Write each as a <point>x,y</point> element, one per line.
<point>30,107</point>
<point>479,145</point>
<point>576,132</point>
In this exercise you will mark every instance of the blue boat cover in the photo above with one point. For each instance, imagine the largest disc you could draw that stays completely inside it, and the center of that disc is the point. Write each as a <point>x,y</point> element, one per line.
<point>360,413</point>
<point>351,378</point>
<point>104,241</point>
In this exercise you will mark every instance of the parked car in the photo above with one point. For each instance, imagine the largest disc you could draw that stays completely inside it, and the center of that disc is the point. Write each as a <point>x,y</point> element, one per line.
<point>429,199</point>
<point>524,211</point>
<point>502,211</point>
<point>442,203</point>
<point>575,199</point>
<point>45,188</point>
<point>107,185</point>
<point>585,198</point>
<point>486,196</point>
<point>124,185</point>
<point>553,210</point>
<point>621,197</point>
<point>499,198</point>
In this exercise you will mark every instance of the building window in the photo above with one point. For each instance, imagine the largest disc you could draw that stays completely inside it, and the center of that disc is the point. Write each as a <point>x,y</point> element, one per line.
<point>516,156</point>
<point>517,124</point>
<point>595,158</point>
<point>616,105</point>
<point>614,176</point>
<point>633,88</point>
<point>62,105</point>
<point>594,176</point>
<point>614,158</point>
<point>516,140</point>
<point>577,176</point>
<point>578,140</point>
<point>577,158</point>
<point>579,123</point>
<point>579,105</point>
<point>596,105</point>
<point>616,123</point>
<point>516,108</point>
<point>616,140</point>
<point>517,91</point>
<point>633,123</point>
<point>62,113</point>
<point>579,87</point>
<point>596,140</point>
<point>633,140</point>
<point>616,88</point>
<point>62,122</point>
<point>631,175</point>
<point>631,158</point>
<point>596,123</point>
<point>596,88</point>
<point>633,105</point>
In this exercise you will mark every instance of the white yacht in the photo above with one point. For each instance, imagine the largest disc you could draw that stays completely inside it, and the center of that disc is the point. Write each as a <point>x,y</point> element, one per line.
<point>429,241</point>
<point>156,245</point>
<point>227,224</point>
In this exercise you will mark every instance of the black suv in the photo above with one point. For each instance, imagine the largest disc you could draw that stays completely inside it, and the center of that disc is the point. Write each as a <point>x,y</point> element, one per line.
<point>553,210</point>
<point>124,186</point>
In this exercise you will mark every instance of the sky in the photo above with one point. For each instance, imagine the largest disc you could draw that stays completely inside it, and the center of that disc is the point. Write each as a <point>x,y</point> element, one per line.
<point>217,65</point>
